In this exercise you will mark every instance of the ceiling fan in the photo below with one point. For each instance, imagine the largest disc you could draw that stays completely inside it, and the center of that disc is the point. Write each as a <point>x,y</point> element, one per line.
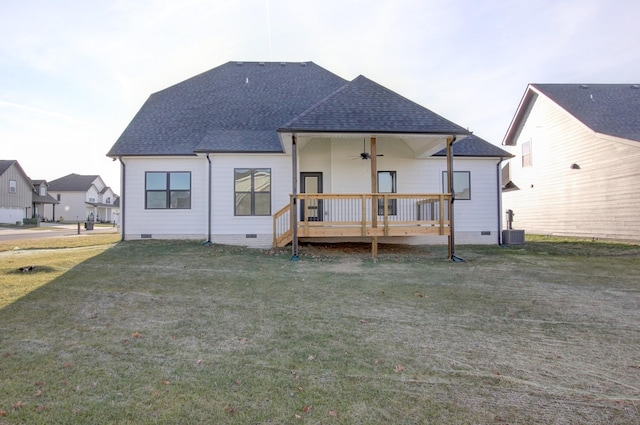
<point>364,154</point>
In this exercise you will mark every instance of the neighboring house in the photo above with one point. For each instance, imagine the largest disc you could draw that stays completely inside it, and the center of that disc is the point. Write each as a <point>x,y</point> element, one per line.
<point>42,198</point>
<point>262,154</point>
<point>576,170</point>
<point>16,193</point>
<point>83,198</point>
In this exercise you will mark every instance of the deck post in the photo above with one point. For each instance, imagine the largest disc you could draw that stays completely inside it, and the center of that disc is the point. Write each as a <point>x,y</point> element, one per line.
<point>374,198</point>
<point>294,198</point>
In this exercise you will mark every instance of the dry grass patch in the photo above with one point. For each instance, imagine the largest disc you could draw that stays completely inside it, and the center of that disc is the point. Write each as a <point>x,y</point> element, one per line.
<point>25,265</point>
<point>176,332</point>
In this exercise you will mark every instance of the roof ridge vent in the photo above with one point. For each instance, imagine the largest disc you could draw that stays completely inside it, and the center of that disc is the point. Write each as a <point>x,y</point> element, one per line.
<point>283,64</point>
<point>584,86</point>
<point>239,63</point>
<point>261,63</point>
<point>303,64</point>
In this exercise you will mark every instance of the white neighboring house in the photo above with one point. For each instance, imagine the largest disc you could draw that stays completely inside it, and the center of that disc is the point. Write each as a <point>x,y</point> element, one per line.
<point>83,198</point>
<point>263,154</point>
<point>576,170</point>
<point>16,193</point>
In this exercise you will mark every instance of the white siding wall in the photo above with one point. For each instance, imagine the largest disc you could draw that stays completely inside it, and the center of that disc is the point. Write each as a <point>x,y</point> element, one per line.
<point>599,200</point>
<point>171,223</point>
<point>230,229</point>
<point>343,172</point>
<point>347,173</point>
<point>72,206</point>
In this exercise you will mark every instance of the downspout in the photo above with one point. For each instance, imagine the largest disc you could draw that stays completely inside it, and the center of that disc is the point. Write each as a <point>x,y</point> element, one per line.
<point>294,191</point>
<point>499,201</point>
<point>210,188</point>
<point>123,176</point>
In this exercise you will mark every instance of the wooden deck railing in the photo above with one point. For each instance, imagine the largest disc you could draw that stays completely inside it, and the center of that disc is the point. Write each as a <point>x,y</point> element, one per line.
<point>370,214</point>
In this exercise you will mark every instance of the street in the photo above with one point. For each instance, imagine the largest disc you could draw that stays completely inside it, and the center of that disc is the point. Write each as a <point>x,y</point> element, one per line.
<point>50,230</point>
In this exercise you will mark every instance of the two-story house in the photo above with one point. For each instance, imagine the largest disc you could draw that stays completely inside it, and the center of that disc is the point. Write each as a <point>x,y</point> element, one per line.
<point>84,198</point>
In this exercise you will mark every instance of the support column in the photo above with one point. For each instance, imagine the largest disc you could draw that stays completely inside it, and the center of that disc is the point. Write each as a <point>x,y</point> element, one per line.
<point>374,199</point>
<point>452,237</point>
<point>294,198</point>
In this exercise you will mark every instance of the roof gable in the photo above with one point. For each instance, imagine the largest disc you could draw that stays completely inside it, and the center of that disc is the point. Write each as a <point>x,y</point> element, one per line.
<point>5,164</point>
<point>612,109</point>
<point>365,106</point>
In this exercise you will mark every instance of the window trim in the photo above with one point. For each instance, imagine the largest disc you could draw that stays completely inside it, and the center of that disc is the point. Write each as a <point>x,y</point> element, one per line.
<point>252,192</point>
<point>445,181</point>
<point>167,190</point>
<point>13,186</point>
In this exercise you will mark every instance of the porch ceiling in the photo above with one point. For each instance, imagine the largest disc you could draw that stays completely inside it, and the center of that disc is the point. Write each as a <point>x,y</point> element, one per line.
<point>422,145</point>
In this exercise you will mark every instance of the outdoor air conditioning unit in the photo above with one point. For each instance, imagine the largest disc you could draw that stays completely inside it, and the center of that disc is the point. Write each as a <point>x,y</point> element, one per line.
<point>513,237</point>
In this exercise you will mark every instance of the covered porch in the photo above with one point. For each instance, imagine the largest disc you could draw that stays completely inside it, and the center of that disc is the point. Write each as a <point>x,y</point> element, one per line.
<point>382,212</point>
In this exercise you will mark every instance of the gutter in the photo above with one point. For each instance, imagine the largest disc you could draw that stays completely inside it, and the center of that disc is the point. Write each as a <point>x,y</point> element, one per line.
<point>123,176</point>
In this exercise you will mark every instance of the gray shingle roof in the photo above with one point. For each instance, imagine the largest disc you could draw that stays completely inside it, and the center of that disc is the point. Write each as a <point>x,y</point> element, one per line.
<point>239,107</point>
<point>612,109</point>
<point>5,164</point>
<point>235,107</point>
<point>475,146</point>
<point>365,106</point>
<point>72,183</point>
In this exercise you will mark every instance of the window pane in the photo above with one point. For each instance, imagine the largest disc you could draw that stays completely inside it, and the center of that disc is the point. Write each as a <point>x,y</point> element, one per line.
<point>156,199</point>
<point>262,180</point>
<point>263,203</point>
<point>386,182</point>
<point>243,204</point>
<point>242,179</point>
<point>181,199</point>
<point>461,185</point>
<point>180,181</point>
<point>156,181</point>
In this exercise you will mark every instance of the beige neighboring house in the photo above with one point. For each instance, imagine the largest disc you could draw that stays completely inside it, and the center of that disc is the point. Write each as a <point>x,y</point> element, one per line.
<point>16,193</point>
<point>576,170</point>
<point>83,198</point>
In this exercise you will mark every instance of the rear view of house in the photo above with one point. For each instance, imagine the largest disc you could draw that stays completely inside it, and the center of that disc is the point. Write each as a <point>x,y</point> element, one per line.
<point>262,153</point>
<point>576,170</point>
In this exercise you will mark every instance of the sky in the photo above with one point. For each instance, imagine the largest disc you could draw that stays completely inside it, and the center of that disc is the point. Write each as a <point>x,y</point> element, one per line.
<point>74,73</point>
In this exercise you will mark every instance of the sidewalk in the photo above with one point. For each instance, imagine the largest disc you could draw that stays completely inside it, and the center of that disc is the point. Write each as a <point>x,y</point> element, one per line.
<point>51,230</point>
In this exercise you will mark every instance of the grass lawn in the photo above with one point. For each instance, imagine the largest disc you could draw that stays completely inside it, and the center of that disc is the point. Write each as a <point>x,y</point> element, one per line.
<point>174,332</point>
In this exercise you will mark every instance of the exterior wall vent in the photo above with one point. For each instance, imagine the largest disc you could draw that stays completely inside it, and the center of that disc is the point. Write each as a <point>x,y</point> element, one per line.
<point>485,233</point>
<point>145,236</point>
<point>251,236</point>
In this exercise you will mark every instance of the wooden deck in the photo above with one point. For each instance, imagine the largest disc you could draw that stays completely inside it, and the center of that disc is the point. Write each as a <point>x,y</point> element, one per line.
<point>357,215</point>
